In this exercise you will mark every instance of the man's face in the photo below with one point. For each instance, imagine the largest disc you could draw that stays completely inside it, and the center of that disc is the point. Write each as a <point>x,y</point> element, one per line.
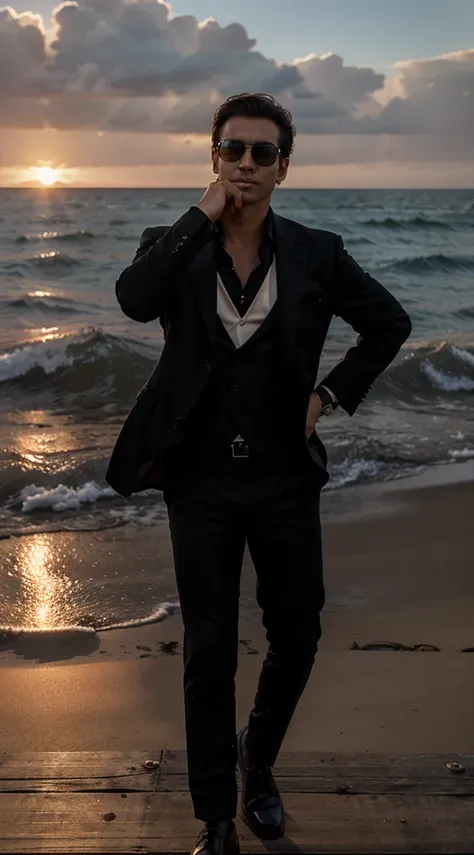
<point>261,179</point>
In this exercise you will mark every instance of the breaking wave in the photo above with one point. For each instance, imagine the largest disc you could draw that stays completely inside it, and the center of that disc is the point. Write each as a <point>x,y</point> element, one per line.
<point>438,263</point>
<point>91,367</point>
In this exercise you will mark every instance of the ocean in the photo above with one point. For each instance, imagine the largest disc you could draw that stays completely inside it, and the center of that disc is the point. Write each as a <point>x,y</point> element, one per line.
<point>71,363</point>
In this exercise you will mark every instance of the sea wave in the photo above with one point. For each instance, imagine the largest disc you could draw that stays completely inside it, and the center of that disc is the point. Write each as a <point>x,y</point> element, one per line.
<point>466,312</point>
<point>409,223</point>
<point>54,220</point>
<point>438,263</point>
<point>45,262</point>
<point>112,369</point>
<point>45,303</point>
<point>353,241</point>
<point>94,505</point>
<point>61,498</point>
<point>76,504</point>
<point>90,368</point>
<point>431,372</point>
<point>74,237</point>
<point>83,505</point>
<point>32,641</point>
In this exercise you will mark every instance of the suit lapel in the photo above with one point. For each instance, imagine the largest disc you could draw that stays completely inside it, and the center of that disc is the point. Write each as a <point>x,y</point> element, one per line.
<point>293,276</point>
<point>203,275</point>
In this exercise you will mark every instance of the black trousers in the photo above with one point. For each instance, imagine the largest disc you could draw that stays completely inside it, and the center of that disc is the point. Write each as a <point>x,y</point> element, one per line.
<point>211,516</point>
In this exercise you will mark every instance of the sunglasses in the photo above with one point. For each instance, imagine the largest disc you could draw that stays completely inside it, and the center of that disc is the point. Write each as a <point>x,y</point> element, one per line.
<point>263,153</point>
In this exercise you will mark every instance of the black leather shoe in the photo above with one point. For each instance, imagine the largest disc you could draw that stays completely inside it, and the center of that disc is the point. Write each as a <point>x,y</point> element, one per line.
<point>262,808</point>
<point>217,838</point>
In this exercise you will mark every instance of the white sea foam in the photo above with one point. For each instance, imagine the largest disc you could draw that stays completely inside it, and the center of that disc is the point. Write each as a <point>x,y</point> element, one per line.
<point>69,633</point>
<point>352,472</point>
<point>463,354</point>
<point>62,498</point>
<point>148,516</point>
<point>159,614</point>
<point>446,382</point>
<point>41,355</point>
<point>462,453</point>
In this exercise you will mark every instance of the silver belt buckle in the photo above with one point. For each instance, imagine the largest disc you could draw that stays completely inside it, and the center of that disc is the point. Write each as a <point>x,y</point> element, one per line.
<point>239,447</point>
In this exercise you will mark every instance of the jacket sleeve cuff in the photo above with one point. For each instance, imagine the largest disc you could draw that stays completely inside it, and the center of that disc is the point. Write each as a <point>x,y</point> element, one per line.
<point>185,238</point>
<point>333,396</point>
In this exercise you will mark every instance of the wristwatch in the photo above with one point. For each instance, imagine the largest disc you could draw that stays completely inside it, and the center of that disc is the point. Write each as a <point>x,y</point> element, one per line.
<point>328,403</point>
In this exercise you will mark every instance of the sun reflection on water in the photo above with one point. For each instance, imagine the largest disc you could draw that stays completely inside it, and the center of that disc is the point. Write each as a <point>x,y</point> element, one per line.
<point>45,449</point>
<point>46,589</point>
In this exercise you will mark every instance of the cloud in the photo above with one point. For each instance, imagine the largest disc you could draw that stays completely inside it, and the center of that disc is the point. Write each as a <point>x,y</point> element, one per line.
<point>136,49</point>
<point>432,96</point>
<point>116,49</point>
<point>22,51</point>
<point>215,39</point>
<point>350,88</point>
<point>133,67</point>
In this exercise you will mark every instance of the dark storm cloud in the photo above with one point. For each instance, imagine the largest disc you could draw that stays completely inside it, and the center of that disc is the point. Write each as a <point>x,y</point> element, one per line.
<point>132,66</point>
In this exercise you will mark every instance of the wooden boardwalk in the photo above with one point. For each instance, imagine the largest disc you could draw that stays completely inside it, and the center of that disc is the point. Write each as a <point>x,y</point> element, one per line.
<point>138,802</point>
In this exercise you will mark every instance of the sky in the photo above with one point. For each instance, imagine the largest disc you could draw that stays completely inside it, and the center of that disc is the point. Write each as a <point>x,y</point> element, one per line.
<point>117,93</point>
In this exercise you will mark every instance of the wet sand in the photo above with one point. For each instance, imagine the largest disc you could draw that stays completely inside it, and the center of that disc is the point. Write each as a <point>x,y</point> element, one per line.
<point>401,574</point>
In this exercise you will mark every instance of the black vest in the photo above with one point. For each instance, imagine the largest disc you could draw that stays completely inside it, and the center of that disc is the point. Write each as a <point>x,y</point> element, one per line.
<point>244,396</point>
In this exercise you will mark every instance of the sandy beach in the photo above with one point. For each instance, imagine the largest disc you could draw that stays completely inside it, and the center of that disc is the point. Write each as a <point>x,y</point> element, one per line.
<point>400,572</point>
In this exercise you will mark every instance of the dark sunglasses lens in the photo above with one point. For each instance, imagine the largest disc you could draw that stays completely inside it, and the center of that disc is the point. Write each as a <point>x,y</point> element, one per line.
<point>231,150</point>
<point>264,154</point>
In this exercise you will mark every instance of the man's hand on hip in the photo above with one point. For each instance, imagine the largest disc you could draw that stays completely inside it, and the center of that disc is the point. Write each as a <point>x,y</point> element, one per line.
<point>314,412</point>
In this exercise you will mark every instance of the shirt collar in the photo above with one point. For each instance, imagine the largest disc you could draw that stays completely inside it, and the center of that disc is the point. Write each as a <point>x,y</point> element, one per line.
<point>268,228</point>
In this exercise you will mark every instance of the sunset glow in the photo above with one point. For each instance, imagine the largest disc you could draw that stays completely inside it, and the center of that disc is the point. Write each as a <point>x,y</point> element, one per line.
<point>46,175</point>
<point>122,94</point>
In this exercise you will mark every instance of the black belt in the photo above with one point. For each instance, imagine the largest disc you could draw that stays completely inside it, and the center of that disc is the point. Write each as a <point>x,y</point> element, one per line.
<point>239,447</point>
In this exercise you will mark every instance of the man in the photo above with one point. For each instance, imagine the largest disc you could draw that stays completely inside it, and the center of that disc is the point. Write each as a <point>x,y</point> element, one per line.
<point>225,427</point>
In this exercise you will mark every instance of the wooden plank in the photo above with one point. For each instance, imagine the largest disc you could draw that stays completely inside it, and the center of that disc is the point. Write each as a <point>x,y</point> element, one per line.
<point>289,764</point>
<point>75,771</point>
<point>112,802</point>
<point>351,786</point>
<point>326,772</point>
<point>321,763</point>
<point>163,823</point>
<point>79,771</point>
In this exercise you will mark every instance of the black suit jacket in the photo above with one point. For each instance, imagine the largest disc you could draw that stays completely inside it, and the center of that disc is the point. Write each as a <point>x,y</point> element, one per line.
<point>173,278</point>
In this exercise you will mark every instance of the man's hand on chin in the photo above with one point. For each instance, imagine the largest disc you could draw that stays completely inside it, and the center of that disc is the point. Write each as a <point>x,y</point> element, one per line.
<point>314,413</point>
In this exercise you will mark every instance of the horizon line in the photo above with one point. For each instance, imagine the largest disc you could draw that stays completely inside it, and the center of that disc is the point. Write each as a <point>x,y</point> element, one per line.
<point>47,189</point>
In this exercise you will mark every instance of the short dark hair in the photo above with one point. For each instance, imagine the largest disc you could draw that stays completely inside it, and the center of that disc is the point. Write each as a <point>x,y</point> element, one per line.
<point>257,106</point>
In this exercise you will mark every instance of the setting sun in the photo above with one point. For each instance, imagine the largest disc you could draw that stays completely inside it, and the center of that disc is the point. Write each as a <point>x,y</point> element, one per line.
<point>46,175</point>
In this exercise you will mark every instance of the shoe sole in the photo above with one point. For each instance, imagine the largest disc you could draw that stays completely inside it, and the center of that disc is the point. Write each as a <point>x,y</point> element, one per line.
<point>248,821</point>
